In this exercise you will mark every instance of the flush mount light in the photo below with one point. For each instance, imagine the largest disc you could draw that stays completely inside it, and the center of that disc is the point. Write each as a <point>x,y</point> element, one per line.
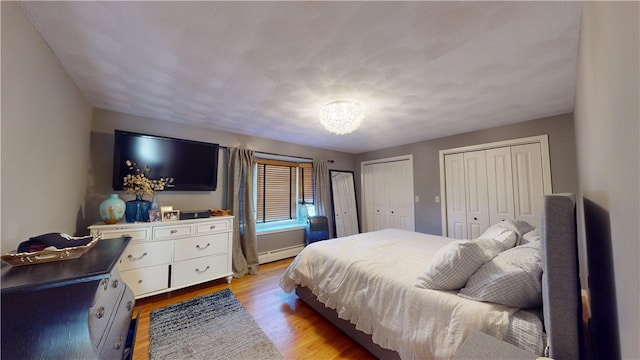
<point>341,117</point>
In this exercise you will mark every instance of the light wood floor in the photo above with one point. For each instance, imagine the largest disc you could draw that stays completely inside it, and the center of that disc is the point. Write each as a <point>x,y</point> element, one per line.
<point>296,330</point>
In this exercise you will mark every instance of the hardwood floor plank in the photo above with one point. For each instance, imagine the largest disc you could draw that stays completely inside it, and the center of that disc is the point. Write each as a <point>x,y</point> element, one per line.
<point>296,329</point>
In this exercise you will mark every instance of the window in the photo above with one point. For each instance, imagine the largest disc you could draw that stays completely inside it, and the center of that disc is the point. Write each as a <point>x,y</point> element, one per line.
<point>279,186</point>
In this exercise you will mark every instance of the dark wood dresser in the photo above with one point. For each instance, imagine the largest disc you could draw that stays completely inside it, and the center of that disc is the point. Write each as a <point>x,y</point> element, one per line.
<point>72,309</point>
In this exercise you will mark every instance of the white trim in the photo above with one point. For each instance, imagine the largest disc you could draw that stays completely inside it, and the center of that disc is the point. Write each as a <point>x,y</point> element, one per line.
<point>543,140</point>
<point>279,254</point>
<point>260,155</point>
<point>389,159</point>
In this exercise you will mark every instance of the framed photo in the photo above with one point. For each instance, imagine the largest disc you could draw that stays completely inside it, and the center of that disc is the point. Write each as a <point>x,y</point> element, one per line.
<point>154,215</point>
<point>171,215</point>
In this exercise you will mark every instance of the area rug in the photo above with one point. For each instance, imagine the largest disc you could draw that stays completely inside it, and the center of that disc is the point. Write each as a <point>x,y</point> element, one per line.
<point>213,326</point>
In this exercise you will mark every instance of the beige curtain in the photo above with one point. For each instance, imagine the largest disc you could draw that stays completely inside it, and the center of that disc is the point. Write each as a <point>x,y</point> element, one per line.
<point>321,184</point>
<point>240,196</point>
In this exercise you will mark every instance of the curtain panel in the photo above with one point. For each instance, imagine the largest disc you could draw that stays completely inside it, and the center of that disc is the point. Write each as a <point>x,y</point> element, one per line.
<point>321,184</point>
<point>240,196</point>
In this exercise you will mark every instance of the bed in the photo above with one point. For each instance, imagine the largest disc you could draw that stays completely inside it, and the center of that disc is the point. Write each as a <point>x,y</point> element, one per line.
<point>378,288</point>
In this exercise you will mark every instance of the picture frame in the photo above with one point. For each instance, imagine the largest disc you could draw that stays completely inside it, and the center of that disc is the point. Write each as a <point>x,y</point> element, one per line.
<point>154,215</point>
<point>171,215</point>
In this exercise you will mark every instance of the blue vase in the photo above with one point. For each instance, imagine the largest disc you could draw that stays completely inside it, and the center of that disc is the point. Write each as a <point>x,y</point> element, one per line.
<point>112,209</point>
<point>138,210</point>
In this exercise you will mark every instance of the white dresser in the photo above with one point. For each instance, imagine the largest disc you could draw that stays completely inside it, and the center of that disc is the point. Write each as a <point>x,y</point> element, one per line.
<point>165,256</point>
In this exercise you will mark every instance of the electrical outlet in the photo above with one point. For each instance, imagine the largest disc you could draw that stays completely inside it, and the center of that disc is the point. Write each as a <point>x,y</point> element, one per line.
<point>417,198</point>
<point>437,199</point>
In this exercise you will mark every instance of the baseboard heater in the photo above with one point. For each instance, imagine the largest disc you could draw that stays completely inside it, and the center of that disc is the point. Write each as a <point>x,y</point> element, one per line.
<point>279,254</point>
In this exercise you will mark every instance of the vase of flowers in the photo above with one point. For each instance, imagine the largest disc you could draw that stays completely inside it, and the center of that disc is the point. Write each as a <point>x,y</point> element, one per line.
<point>139,184</point>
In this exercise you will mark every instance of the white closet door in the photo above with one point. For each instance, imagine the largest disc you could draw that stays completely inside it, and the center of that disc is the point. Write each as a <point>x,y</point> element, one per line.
<point>528,182</point>
<point>380,195</point>
<point>476,195</point>
<point>500,185</point>
<point>368,190</point>
<point>455,196</point>
<point>399,195</point>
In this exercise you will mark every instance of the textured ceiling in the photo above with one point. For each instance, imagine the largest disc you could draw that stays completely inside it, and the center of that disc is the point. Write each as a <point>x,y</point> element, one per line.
<point>420,70</point>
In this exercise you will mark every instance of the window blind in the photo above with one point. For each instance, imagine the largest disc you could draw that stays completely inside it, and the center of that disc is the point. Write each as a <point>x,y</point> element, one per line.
<point>279,185</point>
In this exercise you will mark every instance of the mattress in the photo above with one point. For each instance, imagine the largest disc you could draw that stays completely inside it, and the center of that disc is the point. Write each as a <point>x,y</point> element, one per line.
<point>369,279</point>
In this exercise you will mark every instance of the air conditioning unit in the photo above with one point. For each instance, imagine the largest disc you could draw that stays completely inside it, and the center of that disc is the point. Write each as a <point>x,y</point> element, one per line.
<point>317,229</point>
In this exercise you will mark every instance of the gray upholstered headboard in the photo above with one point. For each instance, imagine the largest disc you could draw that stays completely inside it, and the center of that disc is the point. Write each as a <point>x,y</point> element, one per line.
<point>560,278</point>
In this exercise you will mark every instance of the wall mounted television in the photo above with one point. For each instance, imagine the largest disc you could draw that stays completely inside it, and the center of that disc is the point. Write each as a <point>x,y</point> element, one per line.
<point>192,164</point>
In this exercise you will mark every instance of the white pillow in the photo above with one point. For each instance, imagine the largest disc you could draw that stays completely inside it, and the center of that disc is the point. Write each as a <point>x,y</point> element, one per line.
<point>508,232</point>
<point>513,278</point>
<point>531,236</point>
<point>452,265</point>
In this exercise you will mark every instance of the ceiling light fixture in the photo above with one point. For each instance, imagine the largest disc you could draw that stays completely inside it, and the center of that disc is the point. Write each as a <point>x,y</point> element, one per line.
<point>341,117</point>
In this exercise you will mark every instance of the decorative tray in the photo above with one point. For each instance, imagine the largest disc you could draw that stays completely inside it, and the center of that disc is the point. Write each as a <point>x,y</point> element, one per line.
<point>220,212</point>
<point>48,255</point>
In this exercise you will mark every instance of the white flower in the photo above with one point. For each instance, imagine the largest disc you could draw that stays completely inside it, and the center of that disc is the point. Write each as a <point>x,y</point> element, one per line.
<point>139,184</point>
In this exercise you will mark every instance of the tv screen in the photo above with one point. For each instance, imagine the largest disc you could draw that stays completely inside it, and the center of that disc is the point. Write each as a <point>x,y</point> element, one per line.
<point>192,164</point>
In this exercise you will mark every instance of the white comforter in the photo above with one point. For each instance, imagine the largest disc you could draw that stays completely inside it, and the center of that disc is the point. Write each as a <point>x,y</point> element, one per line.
<point>369,279</point>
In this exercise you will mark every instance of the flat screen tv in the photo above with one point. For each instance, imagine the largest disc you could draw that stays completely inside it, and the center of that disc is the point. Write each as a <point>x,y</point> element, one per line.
<point>192,164</point>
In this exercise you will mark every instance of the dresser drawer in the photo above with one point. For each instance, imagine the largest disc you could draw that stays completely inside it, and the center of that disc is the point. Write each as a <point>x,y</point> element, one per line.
<point>106,298</point>
<point>134,234</point>
<point>171,232</point>
<point>201,246</point>
<point>138,255</point>
<point>213,227</point>
<point>147,280</point>
<point>113,345</point>
<point>198,270</point>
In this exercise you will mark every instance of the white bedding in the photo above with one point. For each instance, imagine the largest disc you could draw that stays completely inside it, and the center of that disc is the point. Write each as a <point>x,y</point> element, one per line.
<point>369,280</point>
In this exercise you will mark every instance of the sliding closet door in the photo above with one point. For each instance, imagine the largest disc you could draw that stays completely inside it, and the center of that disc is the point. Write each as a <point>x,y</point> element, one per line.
<point>528,180</point>
<point>476,193</point>
<point>455,196</point>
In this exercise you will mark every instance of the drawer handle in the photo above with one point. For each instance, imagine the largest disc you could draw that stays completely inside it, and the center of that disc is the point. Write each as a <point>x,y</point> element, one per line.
<point>114,284</point>
<point>174,231</point>
<point>140,281</point>
<point>129,306</point>
<point>100,312</point>
<point>118,344</point>
<point>212,227</point>
<point>203,271</point>
<point>131,258</point>
<point>202,248</point>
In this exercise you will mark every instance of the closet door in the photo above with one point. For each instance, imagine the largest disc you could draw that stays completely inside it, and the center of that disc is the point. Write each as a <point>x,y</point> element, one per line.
<point>528,182</point>
<point>476,195</point>
<point>500,185</point>
<point>368,194</point>
<point>380,195</point>
<point>455,196</point>
<point>388,195</point>
<point>399,195</point>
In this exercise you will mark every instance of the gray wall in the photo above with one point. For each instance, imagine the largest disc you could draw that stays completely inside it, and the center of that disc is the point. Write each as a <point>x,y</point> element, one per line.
<point>46,123</point>
<point>426,165</point>
<point>607,121</point>
<point>100,174</point>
